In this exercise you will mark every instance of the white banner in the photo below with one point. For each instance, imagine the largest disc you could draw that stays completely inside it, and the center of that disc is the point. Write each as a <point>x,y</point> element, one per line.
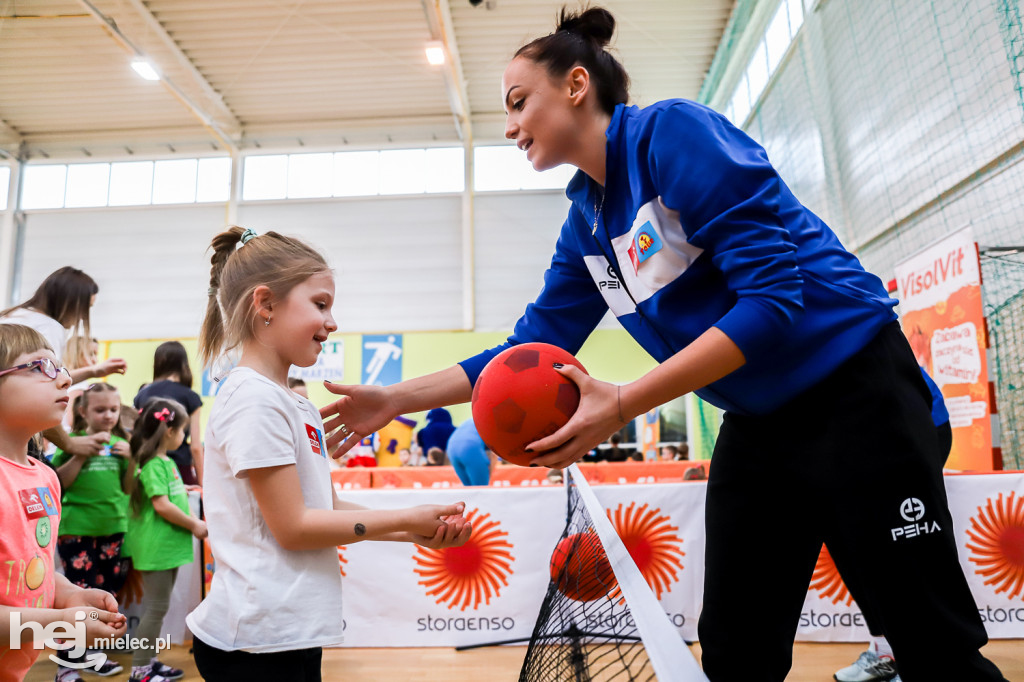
<point>490,590</point>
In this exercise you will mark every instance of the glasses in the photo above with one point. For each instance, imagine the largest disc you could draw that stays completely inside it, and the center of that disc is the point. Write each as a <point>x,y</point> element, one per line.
<point>44,365</point>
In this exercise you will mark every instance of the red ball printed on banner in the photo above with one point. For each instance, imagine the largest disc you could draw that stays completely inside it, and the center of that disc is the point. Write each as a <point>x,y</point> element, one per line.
<point>520,398</point>
<point>580,568</point>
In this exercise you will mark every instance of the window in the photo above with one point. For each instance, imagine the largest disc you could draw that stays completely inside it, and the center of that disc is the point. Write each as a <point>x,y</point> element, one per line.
<point>131,183</point>
<point>506,168</point>
<point>44,187</point>
<point>310,175</point>
<point>796,15</point>
<point>778,36</point>
<point>446,169</point>
<point>757,72</point>
<point>741,103</point>
<point>87,185</point>
<point>213,179</point>
<point>174,182</point>
<point>403,171</point>
<point>266,177</point>
<point>356,173</point>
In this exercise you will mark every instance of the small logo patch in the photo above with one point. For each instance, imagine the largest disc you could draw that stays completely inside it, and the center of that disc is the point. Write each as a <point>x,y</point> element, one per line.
<point>316,440</point>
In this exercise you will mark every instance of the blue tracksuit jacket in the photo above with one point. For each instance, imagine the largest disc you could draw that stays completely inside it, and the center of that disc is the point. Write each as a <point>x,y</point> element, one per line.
<point>696,229</point>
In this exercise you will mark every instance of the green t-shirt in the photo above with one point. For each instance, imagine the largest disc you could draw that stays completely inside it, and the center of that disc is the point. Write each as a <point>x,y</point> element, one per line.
<point>154,543</point>
<point>94,504</point>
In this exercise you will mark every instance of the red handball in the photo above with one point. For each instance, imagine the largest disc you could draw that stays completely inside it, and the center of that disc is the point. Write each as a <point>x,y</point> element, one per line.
<point>580,568</point>
<point>520,398</point>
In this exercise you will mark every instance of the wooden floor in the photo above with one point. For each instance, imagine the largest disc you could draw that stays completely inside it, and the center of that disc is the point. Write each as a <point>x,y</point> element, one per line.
<point>812,663</point>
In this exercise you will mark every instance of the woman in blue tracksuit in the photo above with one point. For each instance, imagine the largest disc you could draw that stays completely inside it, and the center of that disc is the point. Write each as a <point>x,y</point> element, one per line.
<point>681,226</point>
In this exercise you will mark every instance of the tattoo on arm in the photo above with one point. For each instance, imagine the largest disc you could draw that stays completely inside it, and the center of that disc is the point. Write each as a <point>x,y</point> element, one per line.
<point>360,529</point>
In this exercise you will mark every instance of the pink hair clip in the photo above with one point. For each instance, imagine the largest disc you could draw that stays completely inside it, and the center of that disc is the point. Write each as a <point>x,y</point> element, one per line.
<point>164,414</point>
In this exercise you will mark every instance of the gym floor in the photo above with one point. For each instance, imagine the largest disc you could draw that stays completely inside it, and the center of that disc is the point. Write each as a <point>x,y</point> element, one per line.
<point>812,663</point>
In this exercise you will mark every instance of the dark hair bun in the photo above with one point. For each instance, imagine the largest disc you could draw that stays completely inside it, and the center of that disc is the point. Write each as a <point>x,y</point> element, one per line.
<point>594,23</point>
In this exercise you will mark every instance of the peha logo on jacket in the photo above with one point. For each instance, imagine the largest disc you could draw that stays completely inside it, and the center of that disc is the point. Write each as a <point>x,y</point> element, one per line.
<point>652,254</point>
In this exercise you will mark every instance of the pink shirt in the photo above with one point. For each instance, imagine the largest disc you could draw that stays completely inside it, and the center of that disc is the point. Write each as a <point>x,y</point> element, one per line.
<point>29,516</point>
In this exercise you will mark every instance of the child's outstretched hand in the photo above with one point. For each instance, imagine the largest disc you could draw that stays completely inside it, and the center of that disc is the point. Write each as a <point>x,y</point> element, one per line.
<point>99,622</point>
<point>199,528</point>
<point>427,519</point>
<point>454,533</point>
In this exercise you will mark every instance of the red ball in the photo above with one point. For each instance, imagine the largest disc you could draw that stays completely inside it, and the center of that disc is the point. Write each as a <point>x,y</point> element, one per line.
<point>580,568</point>
<point>520,398</point>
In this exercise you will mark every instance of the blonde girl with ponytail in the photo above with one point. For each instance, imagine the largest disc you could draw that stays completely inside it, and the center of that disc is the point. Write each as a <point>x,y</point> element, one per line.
<point>274,519</point>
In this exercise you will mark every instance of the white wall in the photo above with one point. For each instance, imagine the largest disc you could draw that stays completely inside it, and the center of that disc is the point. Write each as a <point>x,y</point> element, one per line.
<point>398,260</point>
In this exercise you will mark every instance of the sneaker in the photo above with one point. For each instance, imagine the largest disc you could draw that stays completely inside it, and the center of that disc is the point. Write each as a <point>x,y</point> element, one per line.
<point>869,667</point>
<point>67,675</point>
<point>109,667</point>
<point>165,671</point>
<point>144,673</point>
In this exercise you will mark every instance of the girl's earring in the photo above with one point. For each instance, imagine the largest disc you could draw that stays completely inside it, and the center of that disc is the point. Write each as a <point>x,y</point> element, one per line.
<point>266,322</point>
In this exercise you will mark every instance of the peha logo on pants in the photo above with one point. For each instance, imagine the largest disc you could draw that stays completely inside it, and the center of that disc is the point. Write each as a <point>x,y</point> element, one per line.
<point>912,510</point>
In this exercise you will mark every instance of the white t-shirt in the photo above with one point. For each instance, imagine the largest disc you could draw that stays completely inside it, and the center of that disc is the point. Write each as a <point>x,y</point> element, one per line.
<point>264,598</point>
<point>55,334</point>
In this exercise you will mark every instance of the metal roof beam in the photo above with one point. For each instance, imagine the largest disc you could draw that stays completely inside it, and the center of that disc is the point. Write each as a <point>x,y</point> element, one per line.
<point>222,111</point>
<point>216,128</point>
<point>439,18</point>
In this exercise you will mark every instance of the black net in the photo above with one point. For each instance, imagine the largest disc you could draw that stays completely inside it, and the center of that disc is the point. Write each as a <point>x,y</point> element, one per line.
<point>585,631</point>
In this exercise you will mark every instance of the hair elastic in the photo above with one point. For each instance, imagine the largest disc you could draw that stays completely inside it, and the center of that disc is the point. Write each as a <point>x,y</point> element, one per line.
<point>247,235</point>
<point>164,414</point>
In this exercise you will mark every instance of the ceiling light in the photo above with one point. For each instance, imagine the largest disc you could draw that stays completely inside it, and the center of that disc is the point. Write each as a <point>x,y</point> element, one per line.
<point>435,53</point>
<point>145,69</point>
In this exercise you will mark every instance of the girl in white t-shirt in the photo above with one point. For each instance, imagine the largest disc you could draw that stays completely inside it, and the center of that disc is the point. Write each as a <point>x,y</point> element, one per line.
<point>273,518</point>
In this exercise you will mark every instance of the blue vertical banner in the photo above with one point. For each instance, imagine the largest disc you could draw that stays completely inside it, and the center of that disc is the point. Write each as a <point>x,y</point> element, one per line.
<point>382,359</point>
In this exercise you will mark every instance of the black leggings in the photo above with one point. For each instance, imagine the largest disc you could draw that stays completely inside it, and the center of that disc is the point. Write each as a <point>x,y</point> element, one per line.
<point>216,665</point>
<point>853,463</point>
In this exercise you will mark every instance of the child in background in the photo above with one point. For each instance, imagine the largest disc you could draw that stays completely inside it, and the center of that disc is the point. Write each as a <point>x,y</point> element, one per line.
<point>95,504</point>
<point>160,528</point>
<point>33,397</point>
<point>172,379</point>
<point>275,522</point>
<point>299,386</point>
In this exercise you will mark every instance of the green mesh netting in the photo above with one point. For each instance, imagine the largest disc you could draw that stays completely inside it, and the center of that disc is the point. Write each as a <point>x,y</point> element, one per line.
<point>900,123</point>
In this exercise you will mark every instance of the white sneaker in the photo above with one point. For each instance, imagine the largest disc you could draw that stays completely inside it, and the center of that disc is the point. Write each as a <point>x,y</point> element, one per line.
<point>869,667</point>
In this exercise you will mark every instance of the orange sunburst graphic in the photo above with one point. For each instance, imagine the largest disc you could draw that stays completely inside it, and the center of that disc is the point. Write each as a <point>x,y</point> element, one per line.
<point>652,542</point>
<point>827,581</point>
<point>464,576</point>
<point>341,559</point>
<point>997,532</point>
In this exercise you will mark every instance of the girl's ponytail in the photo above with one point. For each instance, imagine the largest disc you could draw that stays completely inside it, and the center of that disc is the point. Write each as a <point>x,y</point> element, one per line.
<point>211,336</point>
<point>158,416</point>
<point>269,260</point>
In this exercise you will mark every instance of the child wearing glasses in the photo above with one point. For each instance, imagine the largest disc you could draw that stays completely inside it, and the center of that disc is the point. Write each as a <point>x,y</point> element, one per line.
<point>33,397</point>
<point>95,503</point>
<point>60,305</point>
<point>160,526</point>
